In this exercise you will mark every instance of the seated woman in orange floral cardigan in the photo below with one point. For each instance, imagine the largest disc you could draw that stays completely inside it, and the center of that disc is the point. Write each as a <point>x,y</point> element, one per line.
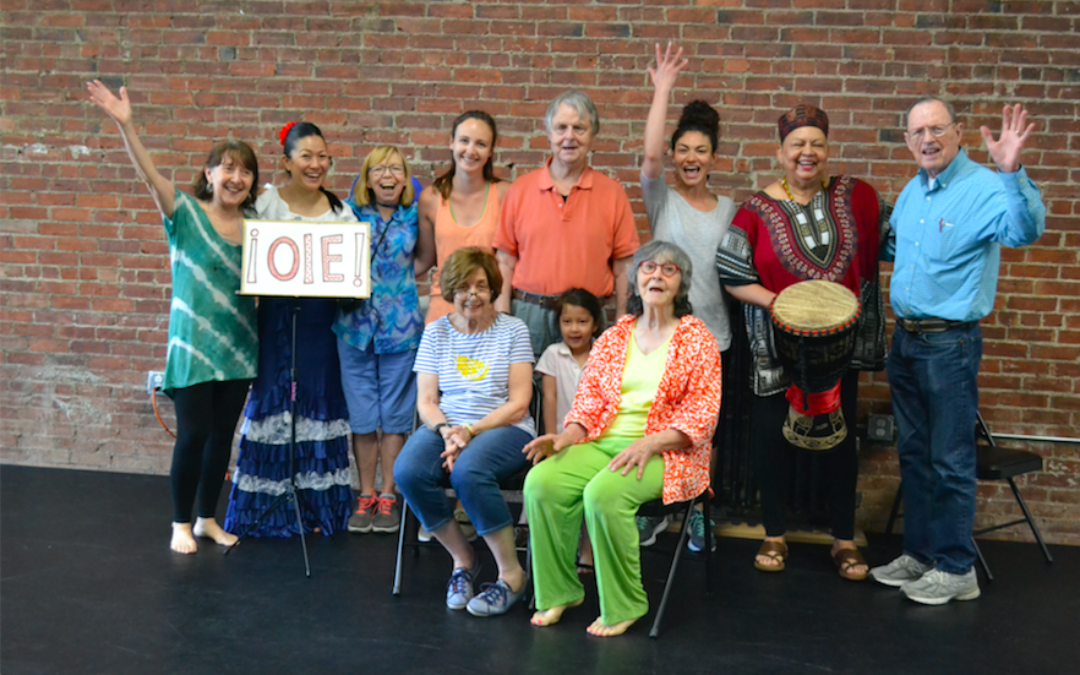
<point>640,429</point>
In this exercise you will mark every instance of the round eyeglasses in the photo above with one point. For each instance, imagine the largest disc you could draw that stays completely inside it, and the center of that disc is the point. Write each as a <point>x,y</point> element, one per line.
<point>667,269</point>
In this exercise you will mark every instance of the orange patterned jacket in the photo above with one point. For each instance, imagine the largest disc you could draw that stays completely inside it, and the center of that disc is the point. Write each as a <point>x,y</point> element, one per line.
<point>687,400</point>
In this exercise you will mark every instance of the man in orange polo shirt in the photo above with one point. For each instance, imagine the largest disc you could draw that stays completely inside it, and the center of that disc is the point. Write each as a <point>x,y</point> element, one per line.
<point>563,226</point>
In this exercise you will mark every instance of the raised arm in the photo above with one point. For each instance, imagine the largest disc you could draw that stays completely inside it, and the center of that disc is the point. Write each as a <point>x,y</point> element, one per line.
<point>119,110</point>
<point>1006,150</point>
<point>663,79</point>
<point>1025,219</point>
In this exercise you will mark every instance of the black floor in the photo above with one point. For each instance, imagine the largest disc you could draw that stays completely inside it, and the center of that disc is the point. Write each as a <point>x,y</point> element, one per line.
<point>90,586</point>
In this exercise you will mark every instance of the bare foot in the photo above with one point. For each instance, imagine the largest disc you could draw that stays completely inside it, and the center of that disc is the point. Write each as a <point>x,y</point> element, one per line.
<point>182,539</point>
<point>551,616</point>
<point>601,629</point>
<point>208,528</point>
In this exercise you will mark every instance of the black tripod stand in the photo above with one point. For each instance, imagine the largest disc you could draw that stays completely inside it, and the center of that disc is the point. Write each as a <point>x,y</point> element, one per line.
<point>292,494</point>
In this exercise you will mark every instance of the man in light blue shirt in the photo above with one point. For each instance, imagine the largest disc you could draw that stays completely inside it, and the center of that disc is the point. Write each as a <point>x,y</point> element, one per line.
<point>948,227</point>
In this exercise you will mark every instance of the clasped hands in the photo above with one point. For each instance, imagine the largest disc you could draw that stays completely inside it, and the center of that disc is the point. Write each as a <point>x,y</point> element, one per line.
<point>456,438</point>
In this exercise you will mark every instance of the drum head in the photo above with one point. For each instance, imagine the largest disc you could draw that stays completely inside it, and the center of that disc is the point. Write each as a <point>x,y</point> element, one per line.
<point>814,306</point>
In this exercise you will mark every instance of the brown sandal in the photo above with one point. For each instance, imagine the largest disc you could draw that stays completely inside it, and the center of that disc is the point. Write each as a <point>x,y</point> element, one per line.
<point>846,559</point>
<point>776,551</point>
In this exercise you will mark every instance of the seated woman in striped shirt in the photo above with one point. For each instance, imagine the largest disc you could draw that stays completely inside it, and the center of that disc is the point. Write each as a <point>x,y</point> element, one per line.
<point>474,383</point>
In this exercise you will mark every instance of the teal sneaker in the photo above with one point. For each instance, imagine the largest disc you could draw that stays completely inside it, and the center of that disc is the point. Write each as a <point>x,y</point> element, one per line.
<point>696,542</point>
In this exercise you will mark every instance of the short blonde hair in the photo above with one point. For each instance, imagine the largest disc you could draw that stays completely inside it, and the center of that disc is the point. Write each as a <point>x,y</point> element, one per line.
<point>361,192</point>
<point>461,265</point>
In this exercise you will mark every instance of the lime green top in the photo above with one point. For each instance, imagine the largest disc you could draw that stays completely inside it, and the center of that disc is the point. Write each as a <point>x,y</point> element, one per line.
<point>213,334</point>
<point>641,378</point>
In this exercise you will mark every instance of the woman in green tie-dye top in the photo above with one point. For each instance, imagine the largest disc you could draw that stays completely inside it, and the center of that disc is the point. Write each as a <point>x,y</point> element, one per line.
<point>213,341</point>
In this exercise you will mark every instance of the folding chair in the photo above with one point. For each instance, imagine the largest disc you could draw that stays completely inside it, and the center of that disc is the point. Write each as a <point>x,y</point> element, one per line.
<point>658,509</point>
<point>994,463</point>
<point>511,490</point>
<point>410,525</point>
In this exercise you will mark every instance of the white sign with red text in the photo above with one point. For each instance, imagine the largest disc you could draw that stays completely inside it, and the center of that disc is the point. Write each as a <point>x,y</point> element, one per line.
<point>299,259</point>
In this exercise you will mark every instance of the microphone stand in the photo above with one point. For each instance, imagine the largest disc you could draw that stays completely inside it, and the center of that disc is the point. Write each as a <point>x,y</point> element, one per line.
<point>292,494</point>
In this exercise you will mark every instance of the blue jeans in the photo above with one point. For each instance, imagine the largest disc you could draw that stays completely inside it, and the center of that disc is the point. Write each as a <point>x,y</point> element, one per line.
<point>936,397</point>
<point>488,458</point>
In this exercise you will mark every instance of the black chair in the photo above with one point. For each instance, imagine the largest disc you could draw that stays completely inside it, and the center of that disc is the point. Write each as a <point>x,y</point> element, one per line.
<point>511,489</point>
<point>407,536</point>
<point>993,462</point>
<point>657,509</point>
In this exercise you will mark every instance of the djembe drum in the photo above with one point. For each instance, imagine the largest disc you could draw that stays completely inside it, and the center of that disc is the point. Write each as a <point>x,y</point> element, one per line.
<point>814,326</point>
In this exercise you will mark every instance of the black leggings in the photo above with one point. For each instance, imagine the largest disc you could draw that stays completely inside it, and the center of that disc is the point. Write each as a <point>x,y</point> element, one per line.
<point>775,459</point>
<point>206,417</point>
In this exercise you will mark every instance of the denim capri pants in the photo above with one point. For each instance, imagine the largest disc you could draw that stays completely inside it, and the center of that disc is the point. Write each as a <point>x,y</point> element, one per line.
<point>489,458</point>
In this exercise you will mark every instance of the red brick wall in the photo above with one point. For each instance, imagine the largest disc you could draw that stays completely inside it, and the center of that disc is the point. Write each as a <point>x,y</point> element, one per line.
<point>84,259</point>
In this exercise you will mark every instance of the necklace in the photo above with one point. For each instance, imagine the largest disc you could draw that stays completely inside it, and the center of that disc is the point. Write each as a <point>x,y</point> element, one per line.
<point>783,182</point>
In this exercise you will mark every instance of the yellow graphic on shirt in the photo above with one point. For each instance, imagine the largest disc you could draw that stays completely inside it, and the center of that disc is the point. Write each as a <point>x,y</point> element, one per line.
<point>471,369</point>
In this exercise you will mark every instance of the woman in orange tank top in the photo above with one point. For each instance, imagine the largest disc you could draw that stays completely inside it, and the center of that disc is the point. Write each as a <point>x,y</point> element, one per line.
<point>461,208</point>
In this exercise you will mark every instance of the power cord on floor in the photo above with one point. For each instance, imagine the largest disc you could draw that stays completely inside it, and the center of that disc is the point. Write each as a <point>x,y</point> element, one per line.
<point>153,402</point>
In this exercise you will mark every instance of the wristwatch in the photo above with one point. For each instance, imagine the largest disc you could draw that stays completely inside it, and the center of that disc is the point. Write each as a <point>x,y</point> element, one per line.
<point>439,426</point>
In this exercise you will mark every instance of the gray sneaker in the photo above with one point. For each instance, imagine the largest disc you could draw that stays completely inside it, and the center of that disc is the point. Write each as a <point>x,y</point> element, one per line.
<point>937,587</point>
<point>648,528</point>
<point>459,590</point>
<point>387,514</point>
<point>365,511</point>
<point>900,571</point>
<point>495,599</point>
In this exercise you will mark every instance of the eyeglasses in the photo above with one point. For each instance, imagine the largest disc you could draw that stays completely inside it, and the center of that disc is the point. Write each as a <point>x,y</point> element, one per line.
<point>381,170</point>
<point>936,132</point>
<point>466,293</point>
<point>667,269</point>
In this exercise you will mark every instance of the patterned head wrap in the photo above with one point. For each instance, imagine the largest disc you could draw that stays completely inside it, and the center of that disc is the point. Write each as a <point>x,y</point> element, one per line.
<point>803,115</point>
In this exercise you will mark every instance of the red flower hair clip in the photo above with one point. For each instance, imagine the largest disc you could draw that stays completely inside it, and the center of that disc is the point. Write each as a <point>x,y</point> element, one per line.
<point>285,131</point>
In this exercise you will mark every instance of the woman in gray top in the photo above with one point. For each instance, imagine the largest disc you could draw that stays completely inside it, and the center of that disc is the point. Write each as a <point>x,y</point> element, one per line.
<point>686,213</point>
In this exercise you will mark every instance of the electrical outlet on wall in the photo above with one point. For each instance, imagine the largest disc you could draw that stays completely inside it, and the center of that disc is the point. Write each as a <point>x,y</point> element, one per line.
<point>881,429</point>
<point>155,380</point>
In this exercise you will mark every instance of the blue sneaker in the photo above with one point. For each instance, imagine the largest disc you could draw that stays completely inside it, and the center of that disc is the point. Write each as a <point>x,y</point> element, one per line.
<point>696,543</point>
<point>495,599</point>
<point>459,590</point>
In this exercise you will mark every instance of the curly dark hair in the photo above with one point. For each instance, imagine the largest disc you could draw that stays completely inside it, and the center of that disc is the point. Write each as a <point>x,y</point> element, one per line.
<point>698,116</point>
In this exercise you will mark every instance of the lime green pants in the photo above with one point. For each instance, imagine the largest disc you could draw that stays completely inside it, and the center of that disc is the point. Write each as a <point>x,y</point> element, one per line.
<point>576,481</point>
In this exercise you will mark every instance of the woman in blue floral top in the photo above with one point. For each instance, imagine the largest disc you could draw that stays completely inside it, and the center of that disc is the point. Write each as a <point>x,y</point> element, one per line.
<point>377,341</point>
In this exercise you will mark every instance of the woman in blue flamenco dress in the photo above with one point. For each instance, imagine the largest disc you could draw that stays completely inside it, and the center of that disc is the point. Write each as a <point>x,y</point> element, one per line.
<point>322,429</point>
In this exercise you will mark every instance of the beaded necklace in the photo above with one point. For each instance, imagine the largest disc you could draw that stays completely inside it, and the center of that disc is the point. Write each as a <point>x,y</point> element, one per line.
<point>783,182</point>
